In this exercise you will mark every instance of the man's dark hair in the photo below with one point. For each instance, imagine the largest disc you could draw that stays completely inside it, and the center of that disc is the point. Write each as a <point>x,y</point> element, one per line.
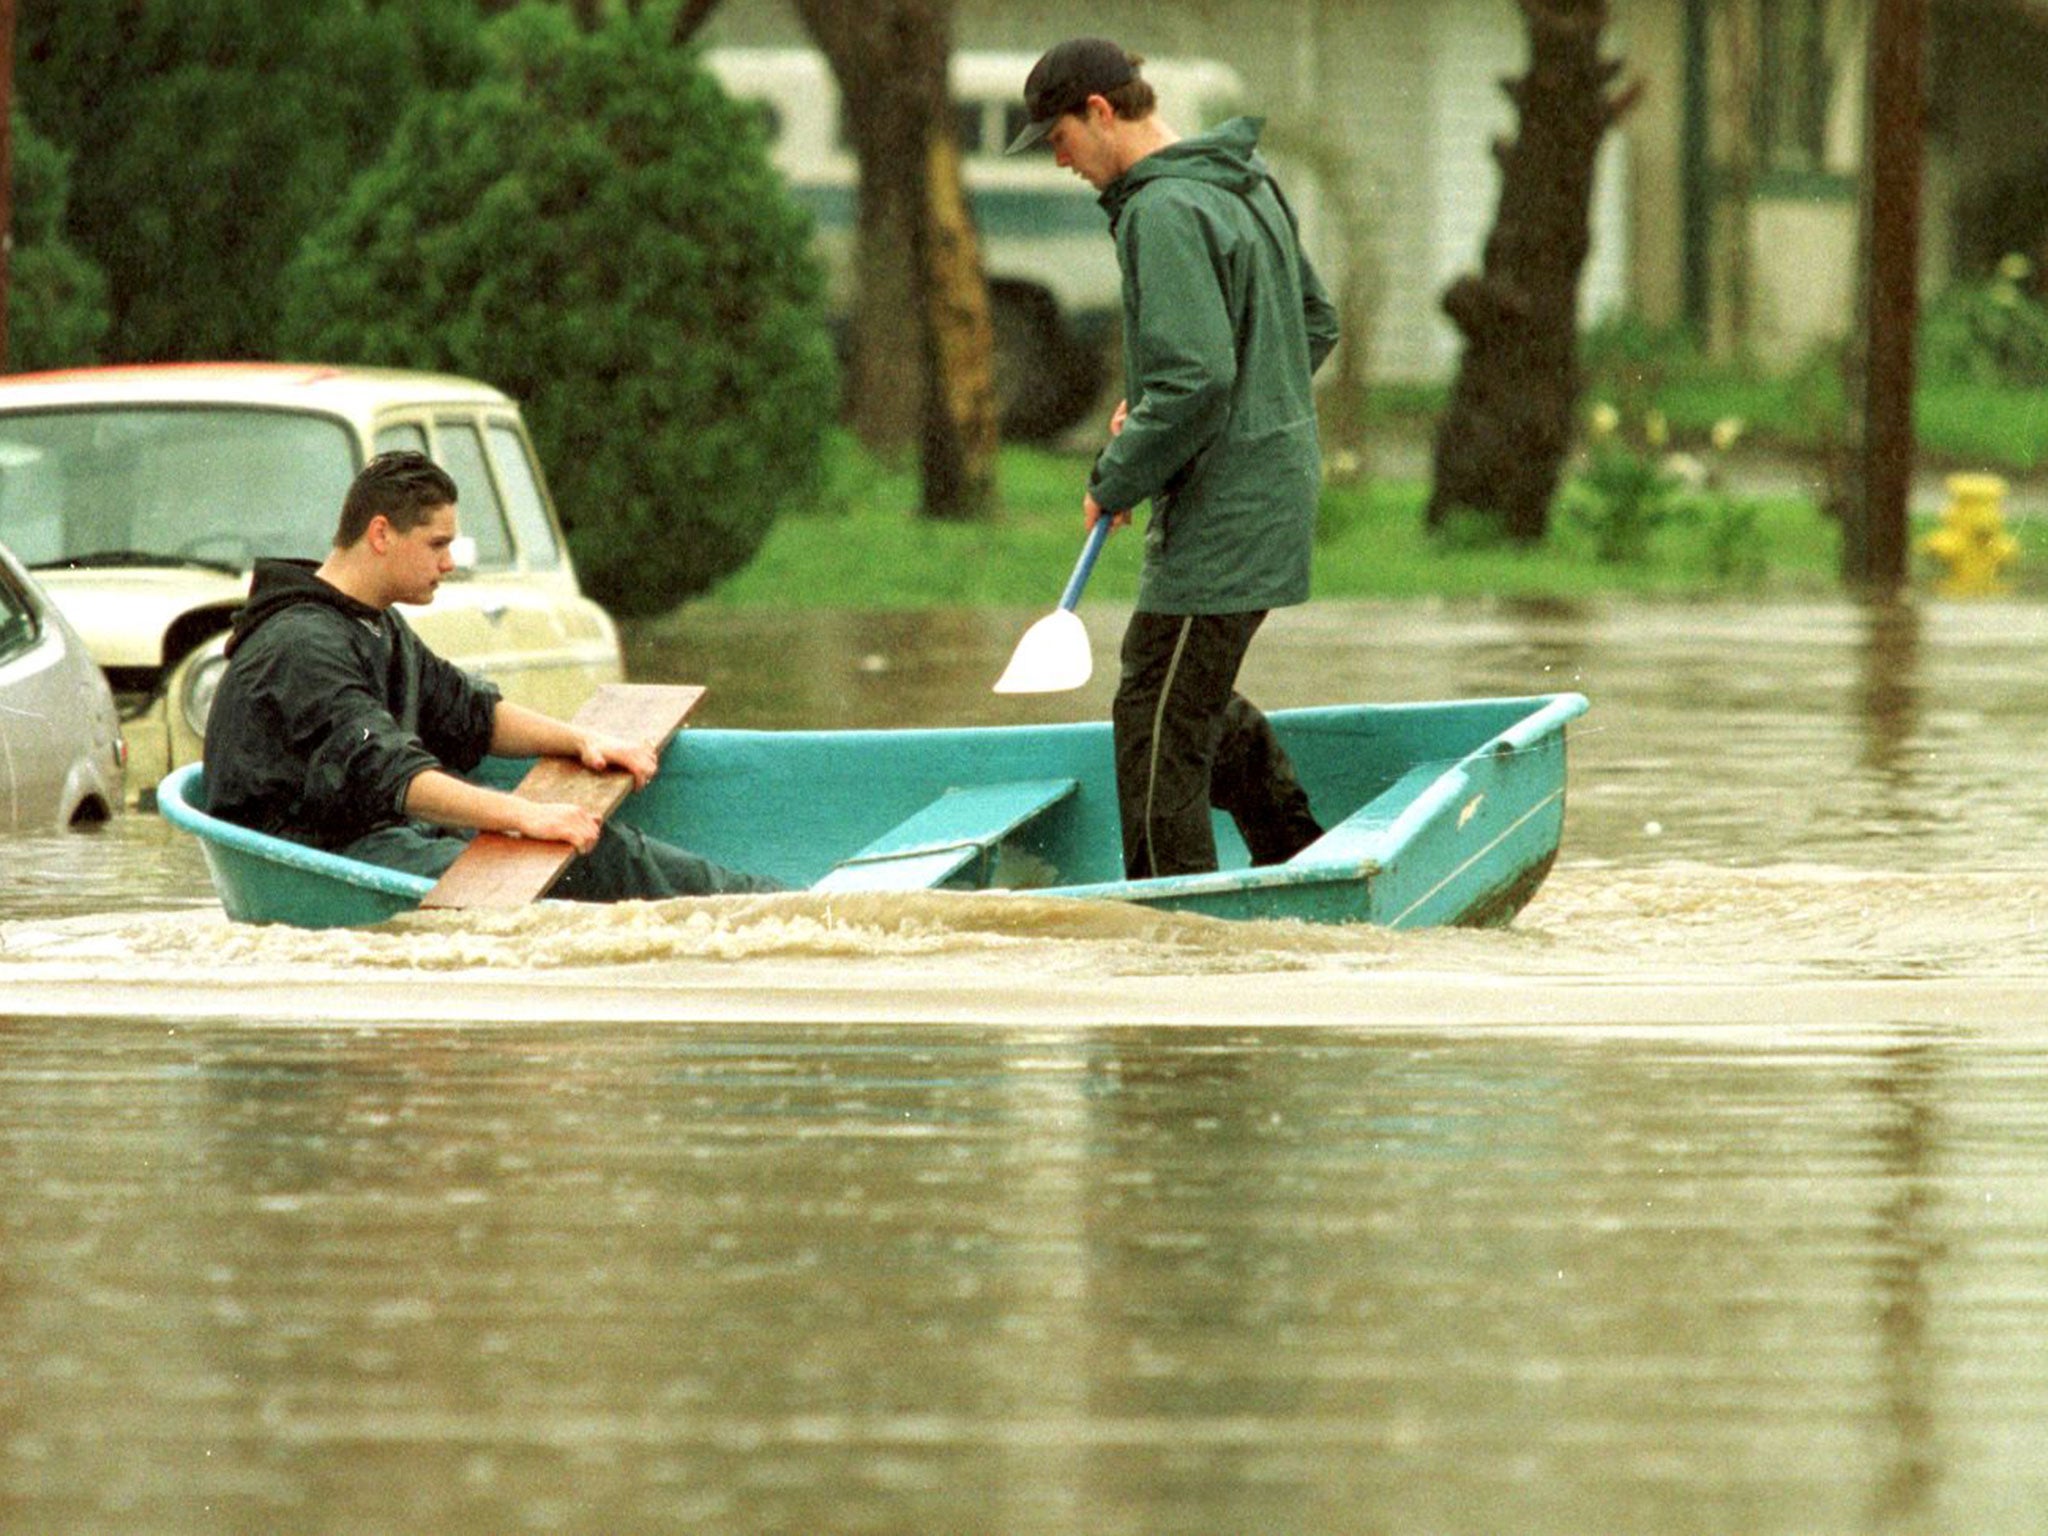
<point>405,487</point>
<point>1135,101</point>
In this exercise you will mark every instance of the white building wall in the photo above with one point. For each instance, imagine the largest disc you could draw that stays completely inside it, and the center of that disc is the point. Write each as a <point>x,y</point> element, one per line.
<point>1472,45</point>
<point>1390,104</point>
<point>1409,87</point>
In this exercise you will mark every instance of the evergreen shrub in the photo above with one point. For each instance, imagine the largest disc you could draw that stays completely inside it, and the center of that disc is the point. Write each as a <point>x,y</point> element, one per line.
<point>57,313</point>
<point>594,227</point>
<point>1988,331</point>
<point>208,136</point>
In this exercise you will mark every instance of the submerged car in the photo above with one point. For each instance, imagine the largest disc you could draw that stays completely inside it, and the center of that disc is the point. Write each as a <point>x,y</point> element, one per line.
<point>142,496</point>
<point>61,757</point>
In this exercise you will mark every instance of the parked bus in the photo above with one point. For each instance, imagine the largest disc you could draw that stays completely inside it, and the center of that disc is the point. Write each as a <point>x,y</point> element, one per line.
<point>1052,275</point>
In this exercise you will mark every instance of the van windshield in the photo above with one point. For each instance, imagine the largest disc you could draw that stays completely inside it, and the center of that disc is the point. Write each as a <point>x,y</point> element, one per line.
<point>202,485</point>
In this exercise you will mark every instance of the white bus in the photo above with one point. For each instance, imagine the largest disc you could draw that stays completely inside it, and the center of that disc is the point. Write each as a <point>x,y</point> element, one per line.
<point>1045,243</point>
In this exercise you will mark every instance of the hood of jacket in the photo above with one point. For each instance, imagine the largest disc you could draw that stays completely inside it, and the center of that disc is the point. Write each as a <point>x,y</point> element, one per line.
<point>281,584</point>
<point>1226,156</point>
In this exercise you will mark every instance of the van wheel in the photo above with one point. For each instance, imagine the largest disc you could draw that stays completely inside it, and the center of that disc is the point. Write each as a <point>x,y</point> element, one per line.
<point>1044,383</point>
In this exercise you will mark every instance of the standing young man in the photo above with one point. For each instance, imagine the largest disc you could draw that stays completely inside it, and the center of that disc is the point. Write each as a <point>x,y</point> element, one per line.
<point>1225,322</point>
<point>335,726</point>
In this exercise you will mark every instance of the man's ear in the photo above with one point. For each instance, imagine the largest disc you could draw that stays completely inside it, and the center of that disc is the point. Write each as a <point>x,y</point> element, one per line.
<point>378,534</point>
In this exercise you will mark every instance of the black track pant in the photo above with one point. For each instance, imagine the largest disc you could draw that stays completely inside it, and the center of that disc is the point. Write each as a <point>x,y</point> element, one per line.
<point>1186,740</point>
<point>626,864</point>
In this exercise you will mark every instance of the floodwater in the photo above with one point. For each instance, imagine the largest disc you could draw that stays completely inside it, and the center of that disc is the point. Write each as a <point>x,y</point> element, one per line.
<point>1710,1197</point>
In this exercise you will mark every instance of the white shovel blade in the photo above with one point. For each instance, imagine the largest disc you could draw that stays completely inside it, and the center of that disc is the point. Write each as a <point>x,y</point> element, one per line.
<point>1053,657</point>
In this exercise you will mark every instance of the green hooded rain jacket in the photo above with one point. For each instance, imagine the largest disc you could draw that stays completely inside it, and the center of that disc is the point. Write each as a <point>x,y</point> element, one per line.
<point>1225,322</point>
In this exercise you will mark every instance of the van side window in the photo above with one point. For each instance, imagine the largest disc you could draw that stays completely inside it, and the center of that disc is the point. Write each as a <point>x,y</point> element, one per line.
<point>523,498</point>
<point>400,436</point>
<point>478,512</point>
<point>770,118</point>
<point>967,126</point>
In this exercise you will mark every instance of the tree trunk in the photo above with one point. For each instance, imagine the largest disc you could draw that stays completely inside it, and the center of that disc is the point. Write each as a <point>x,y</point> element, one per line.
<point>691,16</point>
<point>922,369</point>
<point>960,432</point>
<point>1504,435</point>
<point>1876,550</point>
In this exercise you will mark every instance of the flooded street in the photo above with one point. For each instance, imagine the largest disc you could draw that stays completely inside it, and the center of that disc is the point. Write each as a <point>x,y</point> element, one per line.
<point>1710,1197</point>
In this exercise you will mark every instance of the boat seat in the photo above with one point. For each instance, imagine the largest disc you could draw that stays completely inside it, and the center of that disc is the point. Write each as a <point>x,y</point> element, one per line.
<point>1357,836</point>
<point>931,846</point>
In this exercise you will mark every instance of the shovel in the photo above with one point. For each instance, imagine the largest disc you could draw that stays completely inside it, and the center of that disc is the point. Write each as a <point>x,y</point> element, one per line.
<point>1053,656</point>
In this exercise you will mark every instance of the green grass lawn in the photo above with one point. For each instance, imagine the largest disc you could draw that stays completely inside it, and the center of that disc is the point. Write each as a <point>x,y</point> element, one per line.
<point>1995,429</point>
<point>866,548</point>
<point>1980,426</point>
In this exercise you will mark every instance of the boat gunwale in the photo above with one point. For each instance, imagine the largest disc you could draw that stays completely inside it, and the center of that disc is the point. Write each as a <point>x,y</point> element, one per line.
<point>176,805</point>
<point>1457,778</point>
<point>1556,708</point>
<point>1305,869</point>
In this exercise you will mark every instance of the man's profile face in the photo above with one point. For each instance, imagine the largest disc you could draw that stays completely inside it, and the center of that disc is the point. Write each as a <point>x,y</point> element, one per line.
<point>415,561</point>
<point>1081,143</point>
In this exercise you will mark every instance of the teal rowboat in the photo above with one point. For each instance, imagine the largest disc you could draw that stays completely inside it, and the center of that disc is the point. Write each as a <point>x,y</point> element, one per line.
<point>1441,813</point>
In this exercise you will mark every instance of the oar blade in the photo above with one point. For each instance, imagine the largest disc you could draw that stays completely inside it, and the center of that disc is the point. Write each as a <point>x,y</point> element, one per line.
<point>1052,657</point>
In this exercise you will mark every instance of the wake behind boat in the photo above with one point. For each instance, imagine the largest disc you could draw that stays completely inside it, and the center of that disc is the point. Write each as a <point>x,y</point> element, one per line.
<point>1437,814</point>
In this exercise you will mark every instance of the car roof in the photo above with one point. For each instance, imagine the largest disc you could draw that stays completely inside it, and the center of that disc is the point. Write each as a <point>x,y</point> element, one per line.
<point>303,386</point>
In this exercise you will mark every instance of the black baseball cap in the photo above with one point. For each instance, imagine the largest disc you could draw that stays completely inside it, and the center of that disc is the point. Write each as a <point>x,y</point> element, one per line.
<point>1064,79</point>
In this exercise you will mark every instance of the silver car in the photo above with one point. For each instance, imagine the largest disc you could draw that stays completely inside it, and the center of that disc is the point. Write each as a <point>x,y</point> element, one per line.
<point>61,758</point>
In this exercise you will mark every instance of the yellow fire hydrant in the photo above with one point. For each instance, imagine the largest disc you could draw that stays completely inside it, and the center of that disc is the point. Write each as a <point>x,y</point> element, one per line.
<point>1972,542</point>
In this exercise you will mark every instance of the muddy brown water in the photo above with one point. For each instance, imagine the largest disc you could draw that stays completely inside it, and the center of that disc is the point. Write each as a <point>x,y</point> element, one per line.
<point>1709,1197</point>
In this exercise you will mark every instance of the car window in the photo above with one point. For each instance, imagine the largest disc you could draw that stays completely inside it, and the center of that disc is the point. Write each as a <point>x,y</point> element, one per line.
<point>523,497</point>
<point>480,516</point>
<point>401,436</point>
<point>1016,118</point>
<point>770,118</point>
<point>18,625</point>
<point>120,484</point>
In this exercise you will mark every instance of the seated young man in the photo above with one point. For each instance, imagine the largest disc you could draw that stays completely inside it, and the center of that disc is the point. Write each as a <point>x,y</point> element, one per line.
<point>337,727</point>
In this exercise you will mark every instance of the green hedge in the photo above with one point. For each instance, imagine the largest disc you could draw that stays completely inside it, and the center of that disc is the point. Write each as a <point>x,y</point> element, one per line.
<point>594,227</point>
<point>57,311</point>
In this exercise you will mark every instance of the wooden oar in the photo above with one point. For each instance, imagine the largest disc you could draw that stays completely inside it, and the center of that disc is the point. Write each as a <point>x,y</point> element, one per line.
<point>1053,656</point>
<point>498,870</point>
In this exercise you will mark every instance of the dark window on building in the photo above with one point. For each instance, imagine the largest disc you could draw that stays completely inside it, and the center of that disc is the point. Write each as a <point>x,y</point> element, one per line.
<point>1793,79</point>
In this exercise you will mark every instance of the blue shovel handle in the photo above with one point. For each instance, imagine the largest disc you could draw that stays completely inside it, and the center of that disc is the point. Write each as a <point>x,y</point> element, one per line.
<point>1082,566</point>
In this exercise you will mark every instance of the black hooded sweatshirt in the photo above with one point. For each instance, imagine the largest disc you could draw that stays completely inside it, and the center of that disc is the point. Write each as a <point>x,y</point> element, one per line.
<point>329,710</point>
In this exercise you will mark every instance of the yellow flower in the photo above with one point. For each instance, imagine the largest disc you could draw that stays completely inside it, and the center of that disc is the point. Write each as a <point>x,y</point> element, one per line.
<point>1726,433</point>
<point>1602,421</point>
<point>1686,470</point>
<point>1656,431</point>
<point>2015,268</point>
